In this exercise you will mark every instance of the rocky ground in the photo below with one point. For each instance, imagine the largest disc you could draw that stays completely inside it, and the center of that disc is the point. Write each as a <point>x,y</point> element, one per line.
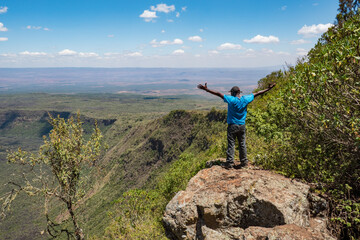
<point>246,204</point>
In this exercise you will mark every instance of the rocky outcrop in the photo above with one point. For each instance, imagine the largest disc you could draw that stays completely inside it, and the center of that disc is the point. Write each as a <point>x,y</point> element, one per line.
<point>244,204</point>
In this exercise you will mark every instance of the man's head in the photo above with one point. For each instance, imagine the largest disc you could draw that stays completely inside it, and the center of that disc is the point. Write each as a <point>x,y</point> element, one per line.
<point>235,90</point>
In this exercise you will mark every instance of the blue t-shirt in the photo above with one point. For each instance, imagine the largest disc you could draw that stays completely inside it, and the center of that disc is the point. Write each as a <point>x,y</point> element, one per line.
<point>237,108</point>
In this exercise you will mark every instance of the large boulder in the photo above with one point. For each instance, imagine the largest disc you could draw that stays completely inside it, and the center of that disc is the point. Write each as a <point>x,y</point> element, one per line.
<point>244,204</point>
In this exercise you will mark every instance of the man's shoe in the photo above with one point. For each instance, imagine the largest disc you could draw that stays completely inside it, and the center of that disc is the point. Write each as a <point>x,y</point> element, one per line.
<point>243,164</point>
<point>229,165</point>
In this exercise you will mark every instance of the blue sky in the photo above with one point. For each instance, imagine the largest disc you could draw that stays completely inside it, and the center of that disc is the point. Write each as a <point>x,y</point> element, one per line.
<point>147,33</point>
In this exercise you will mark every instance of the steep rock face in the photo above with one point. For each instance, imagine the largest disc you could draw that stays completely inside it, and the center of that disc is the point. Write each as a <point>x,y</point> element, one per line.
<point>243,204</point>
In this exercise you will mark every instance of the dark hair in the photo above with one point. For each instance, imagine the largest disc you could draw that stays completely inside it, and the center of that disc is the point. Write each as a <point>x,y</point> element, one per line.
<point>234,93</point>
<point>235,90</point>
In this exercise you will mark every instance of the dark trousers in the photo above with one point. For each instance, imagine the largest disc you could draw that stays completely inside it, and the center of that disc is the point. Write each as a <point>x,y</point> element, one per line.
<point>234,132</point>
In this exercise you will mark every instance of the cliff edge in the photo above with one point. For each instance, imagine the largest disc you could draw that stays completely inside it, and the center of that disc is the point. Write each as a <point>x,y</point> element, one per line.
<point>245,204</point>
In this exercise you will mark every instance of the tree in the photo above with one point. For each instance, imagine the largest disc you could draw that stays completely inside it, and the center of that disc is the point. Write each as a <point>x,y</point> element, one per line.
<point>55,171</point>
<point>347,9</point>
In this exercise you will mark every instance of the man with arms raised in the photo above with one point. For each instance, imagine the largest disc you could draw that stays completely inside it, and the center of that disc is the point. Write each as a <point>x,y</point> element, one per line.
<point>236,116</point>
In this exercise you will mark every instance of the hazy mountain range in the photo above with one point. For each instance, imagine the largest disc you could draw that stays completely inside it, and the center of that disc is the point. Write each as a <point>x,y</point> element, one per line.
<point>152,81</point>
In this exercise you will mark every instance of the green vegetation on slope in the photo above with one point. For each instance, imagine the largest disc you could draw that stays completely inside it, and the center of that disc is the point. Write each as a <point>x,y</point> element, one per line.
<point>138,212</point>
<point>310,125</point>
<point>134,141</point>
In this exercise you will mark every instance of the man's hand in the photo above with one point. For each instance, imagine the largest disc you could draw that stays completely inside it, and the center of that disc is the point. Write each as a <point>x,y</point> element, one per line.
<point>203,87</point>
<point>271,85</point>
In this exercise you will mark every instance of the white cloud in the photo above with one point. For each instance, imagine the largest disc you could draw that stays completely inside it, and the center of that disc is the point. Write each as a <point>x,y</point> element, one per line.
<point>313,30</point>
<point>262,39</point>
<point>195,39</point>
<point>111,54</point>
<point>178,52</point>
<point>2,28</point>
<point>3,9</point>
<point>162,43</point>
<point>88,54</point>
<point>270,52</point>
<point>267,51</point>
<point>183,8</point>
<point>301,51</point>
<point>37,28</point>
<point>315,4</point>
<point>67,52</point>
<point>299,41</point>
<point>128,54</point>
<point>163,8</point>
<point>229,46</point>
<point>283,53</point>
<point>213,52</point>
<point>170,20</point>
<point>134,54</point>
<point>163,31</point>
<point>3,39</point>
<point>148,16</point>
<point>27,53</point>
<point>8,55</point>
<point>283,8</point>
<point>33,27</point>
<point>250,52</point>
<point>177,41</point>
<point>201,30</point>
<point>165,42</point>
<point>111,35</point>
<point>177,14</point>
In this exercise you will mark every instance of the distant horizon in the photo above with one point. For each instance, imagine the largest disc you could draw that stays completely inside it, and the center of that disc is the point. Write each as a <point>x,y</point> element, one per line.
<point>263,67</point>
<point>150,81</point>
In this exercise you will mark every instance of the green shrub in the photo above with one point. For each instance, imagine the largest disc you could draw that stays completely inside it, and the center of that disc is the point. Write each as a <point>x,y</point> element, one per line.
<point>137,217</point>
<point>310,125</point>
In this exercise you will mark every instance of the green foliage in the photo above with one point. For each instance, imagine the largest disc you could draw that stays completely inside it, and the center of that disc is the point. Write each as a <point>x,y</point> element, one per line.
<point>139,211</point>
<point>309,127</point>
<point>347,10</point>
<point>136,217</point>
<point>177,177</point>
<point>346,218</point>
<point>326,103</point>
<point>64,153</point>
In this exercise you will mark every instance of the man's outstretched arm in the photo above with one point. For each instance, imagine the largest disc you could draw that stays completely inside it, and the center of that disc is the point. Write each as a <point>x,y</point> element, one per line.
<point>205,88</point>
<point>265,90</point>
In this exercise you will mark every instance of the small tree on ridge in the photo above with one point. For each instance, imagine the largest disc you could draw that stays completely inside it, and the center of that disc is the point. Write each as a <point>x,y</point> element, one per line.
<point>64,153</point>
